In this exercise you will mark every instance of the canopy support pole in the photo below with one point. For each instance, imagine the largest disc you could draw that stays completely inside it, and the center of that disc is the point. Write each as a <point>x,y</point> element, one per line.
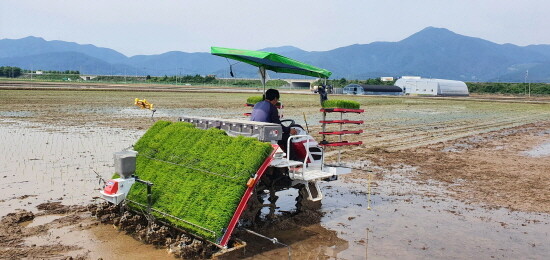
<point>263,74</point>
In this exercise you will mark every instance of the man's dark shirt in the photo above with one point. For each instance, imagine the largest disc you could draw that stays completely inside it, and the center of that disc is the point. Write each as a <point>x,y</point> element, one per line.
<point>266,112</point>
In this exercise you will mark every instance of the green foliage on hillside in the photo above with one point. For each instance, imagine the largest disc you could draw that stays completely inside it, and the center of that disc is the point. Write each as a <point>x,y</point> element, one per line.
<point>509,88</point>
<point>198,175</point>
<point>337,103</point>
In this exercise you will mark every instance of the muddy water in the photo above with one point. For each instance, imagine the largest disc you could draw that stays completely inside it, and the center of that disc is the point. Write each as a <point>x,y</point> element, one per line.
<point>416,221</point>
<point>98,241</point>
<point>542,150</point>
<point>407,220</point>
<point>53,163</point>
<point>43,163</point>
<point>160,112</point>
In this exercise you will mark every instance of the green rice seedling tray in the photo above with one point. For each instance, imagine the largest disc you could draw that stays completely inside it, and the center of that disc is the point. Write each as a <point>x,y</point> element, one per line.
<point>199,176</point>
<point>339,103</point>
<point>253,100</point>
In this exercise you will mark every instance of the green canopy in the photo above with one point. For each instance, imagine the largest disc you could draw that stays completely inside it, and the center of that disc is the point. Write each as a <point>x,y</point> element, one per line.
<point>271,61</point>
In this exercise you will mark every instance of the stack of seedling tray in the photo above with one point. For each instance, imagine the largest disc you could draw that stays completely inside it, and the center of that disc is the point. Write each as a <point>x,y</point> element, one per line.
<point>341,107</point>
<point>199,177</point>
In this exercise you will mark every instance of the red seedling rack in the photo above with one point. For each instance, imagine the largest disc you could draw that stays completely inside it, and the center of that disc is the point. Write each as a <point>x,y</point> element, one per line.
<point>343,132</point>
<point>343,143</point>
<point>344,121</point>
<point>340,132</point>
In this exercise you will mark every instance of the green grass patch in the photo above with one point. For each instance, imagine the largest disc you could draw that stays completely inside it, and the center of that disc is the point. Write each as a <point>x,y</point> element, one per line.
<point>339,103</point>
<point>198,175</point>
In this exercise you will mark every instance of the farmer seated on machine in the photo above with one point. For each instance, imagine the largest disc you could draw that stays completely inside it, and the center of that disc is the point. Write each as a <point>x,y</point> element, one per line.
<point>266,111</point>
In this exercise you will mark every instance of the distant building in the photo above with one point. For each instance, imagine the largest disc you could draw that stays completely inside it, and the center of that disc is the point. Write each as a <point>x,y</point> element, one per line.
<point>87,77</point>
<point>299,84</point>
<point>39,72</point>
<point>360,89</point>
<point>386,79</point>
<point>411,77</point>
<point>433,87</point>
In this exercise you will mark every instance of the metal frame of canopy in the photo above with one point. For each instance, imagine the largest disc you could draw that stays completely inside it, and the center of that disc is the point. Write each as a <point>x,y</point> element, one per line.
<point>271,61</point>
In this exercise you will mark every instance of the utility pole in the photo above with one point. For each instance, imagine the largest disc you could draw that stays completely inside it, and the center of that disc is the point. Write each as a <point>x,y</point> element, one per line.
<point>528,83</point>
<point>145,71</point>
<point>525,82</point>
<point>179,72</point>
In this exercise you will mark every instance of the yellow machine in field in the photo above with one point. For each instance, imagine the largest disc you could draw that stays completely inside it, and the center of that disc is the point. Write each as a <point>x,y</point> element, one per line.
<point>142,103</point>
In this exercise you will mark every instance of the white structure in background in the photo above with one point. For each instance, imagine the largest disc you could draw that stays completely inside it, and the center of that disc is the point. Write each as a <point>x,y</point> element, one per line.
<point>411,77</point>
<point>384,79</point>
<point>85,77</point>
<point>435,87</point>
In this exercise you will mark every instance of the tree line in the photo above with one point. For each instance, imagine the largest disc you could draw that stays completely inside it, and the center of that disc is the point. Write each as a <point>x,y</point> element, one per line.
<point>342,82</point>
<point>509,88</point>
<point>10,72</point>
<point>473,87</point>
<point>186,78</point>
<point>65,72</point>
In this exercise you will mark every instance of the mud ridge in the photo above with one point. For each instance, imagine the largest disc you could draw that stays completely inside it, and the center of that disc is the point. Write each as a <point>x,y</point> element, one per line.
<point>14,231</point>
<point>153,232</point>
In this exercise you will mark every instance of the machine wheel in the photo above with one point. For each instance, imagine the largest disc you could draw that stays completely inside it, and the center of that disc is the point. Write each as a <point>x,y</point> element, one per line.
<point>302,201</point>
<point>251,216</point>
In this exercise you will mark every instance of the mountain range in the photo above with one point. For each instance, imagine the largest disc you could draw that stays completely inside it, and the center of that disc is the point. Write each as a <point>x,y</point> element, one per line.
<point>430,53</point>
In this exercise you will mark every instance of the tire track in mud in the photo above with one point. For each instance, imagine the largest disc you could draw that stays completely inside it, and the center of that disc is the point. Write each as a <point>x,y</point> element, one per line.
<point>376,128</point>
<point>444,137</point>
<point>408,128</point>
<point>417,136</point>
<point>443,127</point>
<point>416,139</point>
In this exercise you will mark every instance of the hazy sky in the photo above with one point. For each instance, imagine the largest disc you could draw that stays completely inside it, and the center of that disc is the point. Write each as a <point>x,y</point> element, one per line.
<point>153,27</point>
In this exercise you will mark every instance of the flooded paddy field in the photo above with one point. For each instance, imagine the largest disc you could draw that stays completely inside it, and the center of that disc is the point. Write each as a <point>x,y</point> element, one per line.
<point>449,178</point>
